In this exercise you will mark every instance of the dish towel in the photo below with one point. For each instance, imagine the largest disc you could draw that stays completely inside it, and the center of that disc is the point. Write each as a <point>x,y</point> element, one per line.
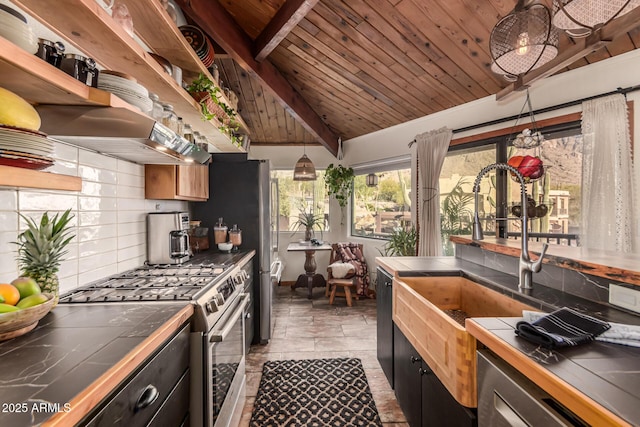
<point>619,333</point>
<point>562,328</point>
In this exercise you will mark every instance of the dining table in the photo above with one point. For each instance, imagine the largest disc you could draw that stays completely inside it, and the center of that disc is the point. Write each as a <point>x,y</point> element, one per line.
<point>310,279</point>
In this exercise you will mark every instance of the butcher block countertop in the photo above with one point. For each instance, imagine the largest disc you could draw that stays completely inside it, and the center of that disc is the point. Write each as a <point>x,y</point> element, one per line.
<point>78,353</point>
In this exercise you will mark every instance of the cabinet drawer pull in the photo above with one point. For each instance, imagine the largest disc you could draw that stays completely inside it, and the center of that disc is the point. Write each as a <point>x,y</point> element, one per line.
<point>422,371</point>
<point>387,284</point>
<point>147,397</point>
<point>415,359</point>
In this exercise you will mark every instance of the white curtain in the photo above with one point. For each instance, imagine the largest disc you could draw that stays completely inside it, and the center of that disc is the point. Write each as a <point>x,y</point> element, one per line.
<point>431,149</point>
<point>607,176</point>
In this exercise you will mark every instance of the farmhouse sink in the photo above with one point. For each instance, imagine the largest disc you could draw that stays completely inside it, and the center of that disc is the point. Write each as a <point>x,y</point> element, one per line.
<point>430,311</point>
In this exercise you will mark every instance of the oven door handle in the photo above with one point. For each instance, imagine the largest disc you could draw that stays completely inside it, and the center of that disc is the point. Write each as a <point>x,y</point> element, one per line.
<point>221,335</point>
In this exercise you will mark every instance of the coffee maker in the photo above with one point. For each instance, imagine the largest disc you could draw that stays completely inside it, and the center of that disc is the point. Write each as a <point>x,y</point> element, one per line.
<point>167,237</point>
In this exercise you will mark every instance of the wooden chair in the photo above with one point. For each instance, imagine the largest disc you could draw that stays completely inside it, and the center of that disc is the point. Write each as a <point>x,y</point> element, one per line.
<point>333,283</point>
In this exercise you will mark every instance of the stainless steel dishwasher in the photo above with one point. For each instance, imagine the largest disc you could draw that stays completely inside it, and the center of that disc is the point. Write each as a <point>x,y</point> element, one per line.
<point>507,398</point>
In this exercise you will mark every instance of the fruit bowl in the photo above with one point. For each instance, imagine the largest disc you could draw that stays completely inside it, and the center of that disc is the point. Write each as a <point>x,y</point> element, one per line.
<point>16,323</point>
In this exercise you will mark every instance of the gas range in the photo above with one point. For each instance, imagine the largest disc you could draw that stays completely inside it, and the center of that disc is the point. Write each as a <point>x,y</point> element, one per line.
<point>211,287</point>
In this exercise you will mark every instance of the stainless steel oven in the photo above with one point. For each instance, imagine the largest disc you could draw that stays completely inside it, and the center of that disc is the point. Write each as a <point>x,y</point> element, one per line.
<point>218,356</point>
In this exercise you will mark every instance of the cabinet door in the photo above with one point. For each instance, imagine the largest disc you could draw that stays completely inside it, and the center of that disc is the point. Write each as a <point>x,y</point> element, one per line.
<point>193,181</point>
<point>385,323</point>
<point>439,407</point>
<point>407,379</point>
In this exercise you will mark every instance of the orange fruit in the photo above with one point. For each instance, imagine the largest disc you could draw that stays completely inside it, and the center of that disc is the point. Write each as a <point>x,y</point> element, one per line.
<point>10,293</point>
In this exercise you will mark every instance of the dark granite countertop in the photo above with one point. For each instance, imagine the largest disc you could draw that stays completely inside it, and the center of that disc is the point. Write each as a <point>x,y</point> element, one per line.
<point>73,347</point>
<point>608,374</point>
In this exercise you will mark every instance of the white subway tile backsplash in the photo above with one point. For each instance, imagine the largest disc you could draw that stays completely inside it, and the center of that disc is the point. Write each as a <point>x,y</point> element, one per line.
<point>8,221</point>
<point>64,152</point>
<point>109,223</point>
<point>125,229</point>
<point>130,180</point>
<point>98,261</point>
<point>89,158</point>
<point>99,246</point>
<point>86,234</point>
<point>131,204</point>
<point>89,203</point>
<point>97,218</point>
<point>127,192</point>
<point>130,168</point>
<point>8,200</point>
<point>46,201</point>
<point>97,174</point>
<point>131,240</point>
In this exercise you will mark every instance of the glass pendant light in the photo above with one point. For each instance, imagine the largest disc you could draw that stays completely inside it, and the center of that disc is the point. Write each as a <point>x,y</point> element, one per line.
<point>523,40</point>
<point>304,169</point>
<point>579,18</point>
<point>372,180</point>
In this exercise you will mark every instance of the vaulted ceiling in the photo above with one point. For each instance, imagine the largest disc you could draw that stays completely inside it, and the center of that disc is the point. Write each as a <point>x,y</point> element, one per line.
<point>310,71</point>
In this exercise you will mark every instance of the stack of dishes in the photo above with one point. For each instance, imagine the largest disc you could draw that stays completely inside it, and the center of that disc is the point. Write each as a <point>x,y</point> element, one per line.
<point>127,89</point>
<point>25,148</point>
<point>200,43</point>
<point>14,27</point>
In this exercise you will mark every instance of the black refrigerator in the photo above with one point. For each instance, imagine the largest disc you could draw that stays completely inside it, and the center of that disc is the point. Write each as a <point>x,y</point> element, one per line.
<point>240,193</point>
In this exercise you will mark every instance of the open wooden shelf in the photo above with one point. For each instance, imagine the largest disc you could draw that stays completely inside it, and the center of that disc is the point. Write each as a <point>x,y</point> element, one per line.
<point>27,178</point>
<point>85,24</point>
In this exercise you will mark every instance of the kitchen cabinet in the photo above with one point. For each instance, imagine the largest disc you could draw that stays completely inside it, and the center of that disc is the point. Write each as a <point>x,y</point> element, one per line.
<point>157,394</point>
<point>424,400</point>
<point>176,182</point>
<point>384,308</point>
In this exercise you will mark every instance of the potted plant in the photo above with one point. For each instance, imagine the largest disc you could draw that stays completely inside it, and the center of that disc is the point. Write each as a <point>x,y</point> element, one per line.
<point>402,242</point>
<point>309,221</point>
<point>207,94</point>
<point>41,248</point>
<point>339,183</point>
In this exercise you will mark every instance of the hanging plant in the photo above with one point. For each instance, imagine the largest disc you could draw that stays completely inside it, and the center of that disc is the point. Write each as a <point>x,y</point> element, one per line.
<point>339,183</point>
<point>206,93</point>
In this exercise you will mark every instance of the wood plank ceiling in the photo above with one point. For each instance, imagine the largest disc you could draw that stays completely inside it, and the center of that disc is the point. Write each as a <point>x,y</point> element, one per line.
<point>360,65</point>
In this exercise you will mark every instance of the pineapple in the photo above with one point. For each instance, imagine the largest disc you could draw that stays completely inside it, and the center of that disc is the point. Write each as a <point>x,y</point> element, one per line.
<point>41,248</point>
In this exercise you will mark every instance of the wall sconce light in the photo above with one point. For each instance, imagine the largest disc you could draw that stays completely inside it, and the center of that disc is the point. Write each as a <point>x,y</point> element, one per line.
<point>372,180</point>
<point>523,40</point>
<point>579,18</point>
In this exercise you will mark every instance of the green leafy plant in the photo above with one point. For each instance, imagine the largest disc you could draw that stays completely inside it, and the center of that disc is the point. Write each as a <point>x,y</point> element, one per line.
<point>308,221</point>
<point>212,107</point>
<point>456,213</point>
<point>402,242</point>
<point>339,183</point>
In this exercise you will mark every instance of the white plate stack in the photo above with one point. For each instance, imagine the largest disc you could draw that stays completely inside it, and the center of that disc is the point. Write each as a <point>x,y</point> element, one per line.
<point>25,148</point>
<point>14,27</point>
<point>129,90</point>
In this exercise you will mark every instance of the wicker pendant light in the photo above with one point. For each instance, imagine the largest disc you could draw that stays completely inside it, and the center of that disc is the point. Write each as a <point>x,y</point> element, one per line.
<point>304,169</point>
<point>579,18</point>
<point>523,40</point>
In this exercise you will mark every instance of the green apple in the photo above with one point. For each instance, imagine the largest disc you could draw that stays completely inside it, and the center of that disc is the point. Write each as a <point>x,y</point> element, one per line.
<point>26,286</point>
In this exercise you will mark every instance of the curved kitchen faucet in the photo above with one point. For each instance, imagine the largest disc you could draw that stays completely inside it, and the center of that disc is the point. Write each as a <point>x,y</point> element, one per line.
<point>526,267</point>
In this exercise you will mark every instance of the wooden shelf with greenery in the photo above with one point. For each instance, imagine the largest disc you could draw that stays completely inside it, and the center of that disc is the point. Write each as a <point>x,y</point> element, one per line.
<point>27,178</point>
<point>86,25</point>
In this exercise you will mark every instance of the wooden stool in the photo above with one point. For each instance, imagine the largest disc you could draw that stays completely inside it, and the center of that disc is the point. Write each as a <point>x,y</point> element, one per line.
<point>346,284</point>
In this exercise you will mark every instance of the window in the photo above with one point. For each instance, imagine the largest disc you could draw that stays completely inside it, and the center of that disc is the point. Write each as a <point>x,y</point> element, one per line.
<point>300,196</point>
<point>377,211</point>
<point>556,195</point>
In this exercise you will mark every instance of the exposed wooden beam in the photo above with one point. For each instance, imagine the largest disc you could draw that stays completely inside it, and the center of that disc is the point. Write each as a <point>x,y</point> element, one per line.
<point>211,16</point>
<point>287,17</point>
<point>582,48</point>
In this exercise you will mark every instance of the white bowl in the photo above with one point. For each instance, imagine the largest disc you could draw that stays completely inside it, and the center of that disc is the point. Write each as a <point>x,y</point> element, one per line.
<point>225,247</point>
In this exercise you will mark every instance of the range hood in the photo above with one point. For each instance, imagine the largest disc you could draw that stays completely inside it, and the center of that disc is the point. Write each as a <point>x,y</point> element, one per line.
<point>119,132</point>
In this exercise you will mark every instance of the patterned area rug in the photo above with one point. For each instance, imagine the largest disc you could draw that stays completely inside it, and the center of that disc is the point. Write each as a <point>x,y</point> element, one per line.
<point>316,392</point>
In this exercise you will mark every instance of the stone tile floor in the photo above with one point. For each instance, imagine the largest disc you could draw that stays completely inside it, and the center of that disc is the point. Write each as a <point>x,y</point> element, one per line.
<point>313,329</point>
